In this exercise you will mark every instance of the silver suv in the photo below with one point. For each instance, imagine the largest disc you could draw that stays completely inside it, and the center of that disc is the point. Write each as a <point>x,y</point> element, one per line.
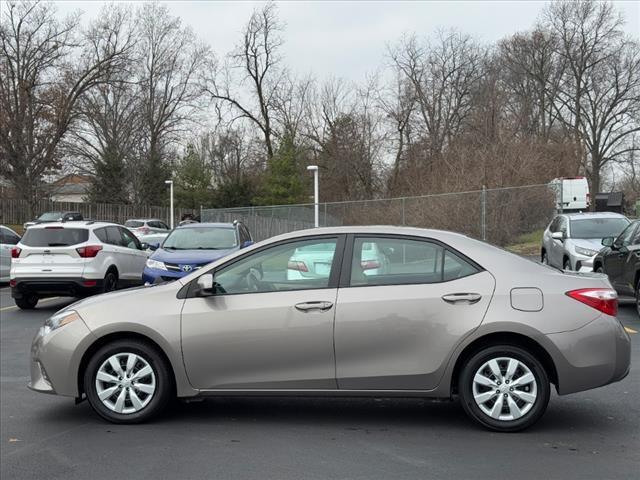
<point>572,240</point>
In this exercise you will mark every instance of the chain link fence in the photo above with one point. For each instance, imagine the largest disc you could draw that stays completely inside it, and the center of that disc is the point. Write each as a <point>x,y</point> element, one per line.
<point>498,215</point>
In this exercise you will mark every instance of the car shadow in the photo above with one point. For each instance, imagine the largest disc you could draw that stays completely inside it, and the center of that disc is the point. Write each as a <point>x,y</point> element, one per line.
<point>358,414</point>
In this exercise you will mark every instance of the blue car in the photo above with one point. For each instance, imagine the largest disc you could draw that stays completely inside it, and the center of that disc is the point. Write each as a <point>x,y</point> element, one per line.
<point>192,246</point>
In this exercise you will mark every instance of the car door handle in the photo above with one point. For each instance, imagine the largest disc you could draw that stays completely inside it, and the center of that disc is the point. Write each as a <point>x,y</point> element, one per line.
<point>468,298</point>
<point>309,306</point>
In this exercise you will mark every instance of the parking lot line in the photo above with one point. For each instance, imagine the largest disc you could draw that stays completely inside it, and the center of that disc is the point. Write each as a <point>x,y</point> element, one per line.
<point>13,307</point>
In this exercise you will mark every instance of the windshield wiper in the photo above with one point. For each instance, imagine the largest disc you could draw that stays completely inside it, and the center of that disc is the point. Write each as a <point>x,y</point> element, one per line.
<point>58,245</point>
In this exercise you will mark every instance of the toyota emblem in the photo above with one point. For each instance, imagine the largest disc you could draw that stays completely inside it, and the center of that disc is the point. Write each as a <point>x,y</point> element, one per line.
<point>187,268</point>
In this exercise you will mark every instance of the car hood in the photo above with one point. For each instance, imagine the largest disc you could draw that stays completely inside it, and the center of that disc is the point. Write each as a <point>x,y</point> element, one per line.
<point>190,256</point>
<point>590,243</point>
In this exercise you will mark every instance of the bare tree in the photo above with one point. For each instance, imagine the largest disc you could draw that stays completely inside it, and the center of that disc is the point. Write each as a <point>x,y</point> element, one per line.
<point>40,85</point>
<point>598,95</point>
<point>531,76</point>
<point>103,141</point>
<point>443,74</point>
<point>171,63</point>
<point>258,63</point>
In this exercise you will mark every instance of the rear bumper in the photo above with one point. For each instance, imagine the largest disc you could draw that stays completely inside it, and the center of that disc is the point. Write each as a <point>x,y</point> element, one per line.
<point>51,287</point>
<point>592,356</point>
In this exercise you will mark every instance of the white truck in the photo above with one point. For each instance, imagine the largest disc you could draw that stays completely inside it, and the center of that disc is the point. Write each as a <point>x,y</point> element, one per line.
<point>572,194</point>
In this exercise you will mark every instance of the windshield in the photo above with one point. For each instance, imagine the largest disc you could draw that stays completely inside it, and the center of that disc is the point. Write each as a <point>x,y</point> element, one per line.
<point>54,237</point>
<point>50,216</point>
<point>133,223</point>
<point>598,227</point>
<point>201,238</point>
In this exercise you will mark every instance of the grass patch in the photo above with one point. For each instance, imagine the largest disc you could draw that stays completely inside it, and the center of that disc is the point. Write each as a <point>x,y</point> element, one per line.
<point>527,244</point>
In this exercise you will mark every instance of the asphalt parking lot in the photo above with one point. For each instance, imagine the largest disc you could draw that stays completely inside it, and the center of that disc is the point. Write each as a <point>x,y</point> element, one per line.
<point>590,435</point>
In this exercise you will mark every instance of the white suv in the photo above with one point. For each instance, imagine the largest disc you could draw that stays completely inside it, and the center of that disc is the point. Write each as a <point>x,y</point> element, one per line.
<point>74,259</point>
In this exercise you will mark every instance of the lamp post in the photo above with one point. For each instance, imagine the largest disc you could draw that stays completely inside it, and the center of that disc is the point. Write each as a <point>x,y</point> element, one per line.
<point>170,183</point>
<point>314,169</point>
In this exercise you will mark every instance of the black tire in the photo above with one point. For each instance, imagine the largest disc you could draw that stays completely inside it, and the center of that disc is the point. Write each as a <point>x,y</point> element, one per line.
<point>566,264</point>
<point>110,282</point>
<point>163,378</point>
<point>545,258</point>
<point>28,302</point>
<point>465,388</point>
<point>599,269</point>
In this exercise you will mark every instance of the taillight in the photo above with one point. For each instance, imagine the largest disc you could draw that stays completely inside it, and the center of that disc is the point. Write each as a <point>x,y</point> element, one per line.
<point>297,265</point>
<point>369,264</point>
<point>15,252</point>
<point>602,299</point>
<point>89,251</point>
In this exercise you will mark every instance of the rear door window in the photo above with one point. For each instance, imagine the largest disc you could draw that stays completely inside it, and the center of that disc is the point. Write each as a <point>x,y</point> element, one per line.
<point>7,237</point>
<point>54,237</point>
<point>101,233</point>
<point>404,261</point>
<point>114,237</point>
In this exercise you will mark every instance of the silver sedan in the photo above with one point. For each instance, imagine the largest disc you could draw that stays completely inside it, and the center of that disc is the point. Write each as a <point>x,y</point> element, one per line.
<point>449,317</point>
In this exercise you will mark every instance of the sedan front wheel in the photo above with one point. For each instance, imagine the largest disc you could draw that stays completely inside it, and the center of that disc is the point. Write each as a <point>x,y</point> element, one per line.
<point>127,381</point>
<point>504,388</point>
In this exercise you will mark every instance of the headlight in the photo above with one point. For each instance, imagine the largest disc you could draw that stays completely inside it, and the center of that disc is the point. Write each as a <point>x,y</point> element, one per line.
<point>156,264</point>
<point>59,320</point>
<point>587,252</point>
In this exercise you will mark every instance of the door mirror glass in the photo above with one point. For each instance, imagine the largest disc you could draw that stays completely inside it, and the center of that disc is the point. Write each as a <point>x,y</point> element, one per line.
<point>607,241</point>
<point>558,236</point>
<point>205,285</point>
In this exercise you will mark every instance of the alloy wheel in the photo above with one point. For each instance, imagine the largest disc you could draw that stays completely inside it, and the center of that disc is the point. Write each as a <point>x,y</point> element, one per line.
<point>125,383</point>
<point>504,388</point>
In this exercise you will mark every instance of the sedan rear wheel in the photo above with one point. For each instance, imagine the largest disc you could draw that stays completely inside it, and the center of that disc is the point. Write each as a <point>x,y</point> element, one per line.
<point>504,388</point>
<point>127,382</point>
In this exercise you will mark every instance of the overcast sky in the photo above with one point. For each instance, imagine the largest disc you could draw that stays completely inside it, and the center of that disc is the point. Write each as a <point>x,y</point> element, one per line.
<point>349,38</point>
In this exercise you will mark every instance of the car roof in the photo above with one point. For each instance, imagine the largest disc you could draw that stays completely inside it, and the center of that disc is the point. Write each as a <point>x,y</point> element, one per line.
<point>144,220</point>
<point>206,224</point>
<point>374,230</point>
<point>90,224</point>
<point>587,215</point>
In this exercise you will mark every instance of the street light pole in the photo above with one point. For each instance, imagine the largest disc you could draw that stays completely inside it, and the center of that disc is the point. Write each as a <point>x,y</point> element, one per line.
<point>316,205</point>
<point>170,183</point>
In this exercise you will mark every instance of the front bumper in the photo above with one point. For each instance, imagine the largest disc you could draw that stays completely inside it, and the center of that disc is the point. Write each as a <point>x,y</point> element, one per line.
<point>55,358</point>
<point>592,356</point>
<point>582,263</point>
<point>52,287</point>
<point>154,275</point>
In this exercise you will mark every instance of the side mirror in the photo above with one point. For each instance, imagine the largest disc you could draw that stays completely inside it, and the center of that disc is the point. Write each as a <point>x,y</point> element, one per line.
<point>144,246</point>
<point>205,285</point>
<point>608,241</point>
<point>247,243</point>
<point>558,236</point>
<point>153,246</point>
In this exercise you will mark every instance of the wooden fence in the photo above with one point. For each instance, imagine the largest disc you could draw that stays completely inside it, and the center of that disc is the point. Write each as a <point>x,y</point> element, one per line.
<point>16,212</point>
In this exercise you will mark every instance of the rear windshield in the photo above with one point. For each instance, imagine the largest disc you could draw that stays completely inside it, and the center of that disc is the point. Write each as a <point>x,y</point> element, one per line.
<point>50,216</point>
<point>598,227</point>
<point>133,223</point>
<point>54,237</point>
